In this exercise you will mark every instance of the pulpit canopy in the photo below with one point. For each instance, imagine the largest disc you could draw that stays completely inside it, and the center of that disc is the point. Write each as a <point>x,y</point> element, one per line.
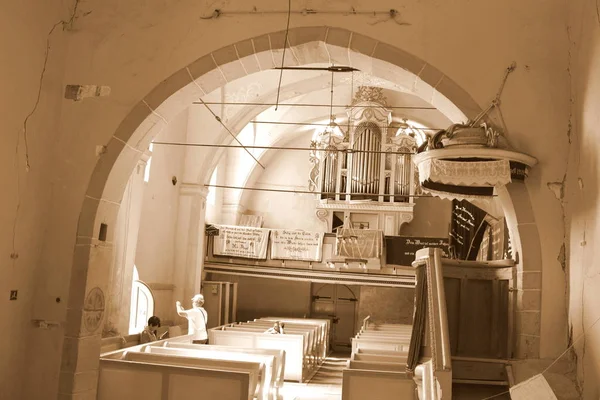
<point>467,162</point>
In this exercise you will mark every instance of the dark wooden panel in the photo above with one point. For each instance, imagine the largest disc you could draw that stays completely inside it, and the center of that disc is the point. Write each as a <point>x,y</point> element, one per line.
<point>503,326</point>
<point>478,370</point>
<point>475,330</point>
<point>452,289</point>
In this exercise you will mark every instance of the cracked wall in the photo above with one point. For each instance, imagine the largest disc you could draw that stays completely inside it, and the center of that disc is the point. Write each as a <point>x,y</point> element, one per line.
<point>581,195</point>
<point>32,68</point>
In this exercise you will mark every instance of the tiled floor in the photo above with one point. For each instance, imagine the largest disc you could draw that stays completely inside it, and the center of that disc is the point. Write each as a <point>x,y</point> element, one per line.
<point>326,384</point>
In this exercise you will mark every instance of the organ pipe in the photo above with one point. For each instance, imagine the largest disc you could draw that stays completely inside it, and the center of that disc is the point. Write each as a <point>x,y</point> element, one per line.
<point>372,165</point>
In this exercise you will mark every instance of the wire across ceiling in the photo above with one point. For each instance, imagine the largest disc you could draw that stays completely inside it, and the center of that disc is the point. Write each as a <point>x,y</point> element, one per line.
<point>327,124</point>
<point>342,106</point>
<point>233,146</point>
<point>319,193</point>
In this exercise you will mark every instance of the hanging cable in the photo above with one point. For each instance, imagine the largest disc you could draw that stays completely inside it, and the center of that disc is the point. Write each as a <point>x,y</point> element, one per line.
<point>221,121</point>
<point>496,101</point>
<point>323,124</point>
<point>316,105</point>
<point>309,192</point>
<point>233,146</point>
<point>287,31</point>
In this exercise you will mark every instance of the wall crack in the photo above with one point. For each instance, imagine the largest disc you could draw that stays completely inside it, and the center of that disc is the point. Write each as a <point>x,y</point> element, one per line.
<point>67,25</point>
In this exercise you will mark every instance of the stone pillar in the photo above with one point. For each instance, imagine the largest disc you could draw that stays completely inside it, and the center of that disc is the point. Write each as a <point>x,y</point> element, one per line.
<point>525,240</point>
<point>189,246</point>
<point>125,244</point>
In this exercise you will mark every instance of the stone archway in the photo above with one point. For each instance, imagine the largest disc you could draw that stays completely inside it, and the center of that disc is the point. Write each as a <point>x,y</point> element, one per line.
<point>92,255</point>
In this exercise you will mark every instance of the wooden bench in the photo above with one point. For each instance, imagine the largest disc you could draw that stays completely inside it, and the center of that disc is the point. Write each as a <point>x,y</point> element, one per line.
<point>268,390</point>
<point>377,365</point>
<point>293,345</point>
<point>125,380</point>
<point>324,326</point>
<point>399,358</point>
<point>306,349</point>
<point>309,333</point>
<point>360,384</point>
<point>364,351</point>
<point>113,343</point>
<point>314,342</point>
<point>379,344</point>
<point>279,355</point>
<point>254,369</point>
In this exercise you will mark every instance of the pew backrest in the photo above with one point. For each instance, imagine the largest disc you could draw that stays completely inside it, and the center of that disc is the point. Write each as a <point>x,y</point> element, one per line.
<point>268,361</point>
<point>255,369</point>
<point>124,380</point>
<point>378,344</point>
<point>377,366</point>
<point>360,384</point>
<point>293,345</point>
<point>279,355</point>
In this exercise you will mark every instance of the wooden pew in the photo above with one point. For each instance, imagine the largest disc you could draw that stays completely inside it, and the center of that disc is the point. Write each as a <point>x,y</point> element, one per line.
<point>324,326</point>
<point>385,336</point>
<point>359,384</point>
<point>268,390</point>
<point>311,344</point>
<point>293,345</point>
<point>377,365</point>
<point>380,327</point>
<point>306,350</point>
<point>113,343</point>
<point>364,351</point>
<point>261,327</point>
<point>400,358</point>
<point>379,344</point>
<point>279,355</point>
<point>125,380</point>
<point>254,369</point>
<point>314,346</point>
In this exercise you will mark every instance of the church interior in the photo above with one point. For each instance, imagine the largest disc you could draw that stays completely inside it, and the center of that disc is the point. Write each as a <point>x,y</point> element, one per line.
<point>408,187</point>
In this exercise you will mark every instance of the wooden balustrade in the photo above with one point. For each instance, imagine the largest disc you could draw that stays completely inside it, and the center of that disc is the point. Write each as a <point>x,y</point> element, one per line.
<point>430,326</point>
<point>463,312</point>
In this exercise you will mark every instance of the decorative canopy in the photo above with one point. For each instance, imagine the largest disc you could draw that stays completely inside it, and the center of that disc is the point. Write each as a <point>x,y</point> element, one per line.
<point>467,162</point>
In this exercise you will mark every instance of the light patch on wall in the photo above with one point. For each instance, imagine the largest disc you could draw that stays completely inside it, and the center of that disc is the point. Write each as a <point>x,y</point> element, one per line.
<point>211,197</point>
<point>148,164</point>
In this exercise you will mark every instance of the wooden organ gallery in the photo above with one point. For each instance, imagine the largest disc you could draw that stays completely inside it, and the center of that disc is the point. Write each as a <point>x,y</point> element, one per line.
<point>365,180</point>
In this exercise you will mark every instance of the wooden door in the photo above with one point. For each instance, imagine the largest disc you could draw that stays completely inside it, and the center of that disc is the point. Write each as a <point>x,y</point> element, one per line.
<point>339,304</point>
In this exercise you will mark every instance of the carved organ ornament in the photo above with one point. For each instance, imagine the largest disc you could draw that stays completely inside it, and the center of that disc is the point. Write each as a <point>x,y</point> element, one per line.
<point>362,164</point>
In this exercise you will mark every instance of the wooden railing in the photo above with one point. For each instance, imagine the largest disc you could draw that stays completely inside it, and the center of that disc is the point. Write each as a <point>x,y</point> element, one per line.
<point>463,312</point>
<point>429,359</point>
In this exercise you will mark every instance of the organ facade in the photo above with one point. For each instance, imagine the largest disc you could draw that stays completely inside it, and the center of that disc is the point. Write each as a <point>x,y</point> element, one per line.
<point>365,167</point>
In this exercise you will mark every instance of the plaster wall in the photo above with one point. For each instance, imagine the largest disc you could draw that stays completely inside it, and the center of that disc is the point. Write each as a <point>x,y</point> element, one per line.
<point>133,46</point>
<point>285,170</point>
<point>261,297</point>
<point>26,198</point>
<point>155,254</point>
<point>578,194</point>
<point>386,305</point>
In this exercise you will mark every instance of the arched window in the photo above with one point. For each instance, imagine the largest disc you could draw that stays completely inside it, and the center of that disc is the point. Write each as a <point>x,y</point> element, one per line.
<point>142,304</point>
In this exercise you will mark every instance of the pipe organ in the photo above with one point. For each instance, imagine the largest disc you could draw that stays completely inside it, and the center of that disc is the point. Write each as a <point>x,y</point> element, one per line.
<point>367,168</point>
